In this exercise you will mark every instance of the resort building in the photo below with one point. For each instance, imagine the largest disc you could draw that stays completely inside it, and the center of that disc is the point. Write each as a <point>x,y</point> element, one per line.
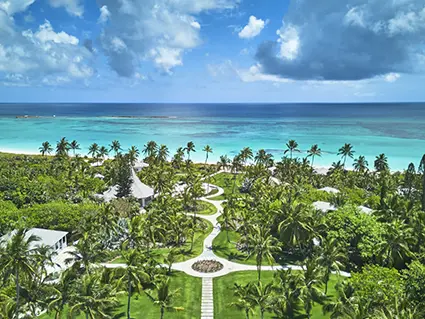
<point>138,166</point>
<point>52,238</point>
<point>142,192</point>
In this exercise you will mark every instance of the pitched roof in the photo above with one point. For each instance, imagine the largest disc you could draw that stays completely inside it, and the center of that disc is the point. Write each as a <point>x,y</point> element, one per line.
<point>47,237</point>
<point>330,190</point>
<point>138,189</point>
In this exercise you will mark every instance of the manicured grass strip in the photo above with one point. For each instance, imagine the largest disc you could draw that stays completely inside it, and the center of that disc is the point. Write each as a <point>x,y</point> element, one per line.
<point>224,296</point>
<point>204,208</point>
<point>227,250</point>
<point>184,251</point>
<point>225,181</point>
<point>189,297</point>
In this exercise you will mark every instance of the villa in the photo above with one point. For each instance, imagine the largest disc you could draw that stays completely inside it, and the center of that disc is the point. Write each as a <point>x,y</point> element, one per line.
<point>138,166</point>
<point>142,192</point>
<point>54,239</point>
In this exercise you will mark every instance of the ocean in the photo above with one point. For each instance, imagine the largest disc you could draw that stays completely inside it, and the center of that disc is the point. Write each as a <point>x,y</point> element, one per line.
<point>396,129</point>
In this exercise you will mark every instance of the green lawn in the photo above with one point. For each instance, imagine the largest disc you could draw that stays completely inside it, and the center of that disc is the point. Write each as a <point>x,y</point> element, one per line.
<point>189,297</point>
<point>185,252</point>
<point>205,208</point>
<point>224,249</point>
<point>223,294</point>
<point>225,181</point>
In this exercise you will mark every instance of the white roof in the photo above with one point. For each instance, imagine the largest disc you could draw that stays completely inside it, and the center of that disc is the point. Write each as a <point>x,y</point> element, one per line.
<point>140,164</point>
<point>329,190</point>
<point>47,237</point>
<point>99,176</point>
<point>365,210</point>
<point>275,181</point>
<point>138,189</point>
<point>323,206</point>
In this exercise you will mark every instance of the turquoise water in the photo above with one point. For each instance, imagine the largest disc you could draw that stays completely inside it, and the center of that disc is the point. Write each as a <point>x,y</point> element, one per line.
<point>397,130</point>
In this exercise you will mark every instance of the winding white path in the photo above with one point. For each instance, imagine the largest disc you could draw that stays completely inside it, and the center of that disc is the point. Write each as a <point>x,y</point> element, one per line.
<point>207,303</point>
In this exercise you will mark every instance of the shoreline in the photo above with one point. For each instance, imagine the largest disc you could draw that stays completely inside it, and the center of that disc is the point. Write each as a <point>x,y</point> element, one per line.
<point>320,169</point>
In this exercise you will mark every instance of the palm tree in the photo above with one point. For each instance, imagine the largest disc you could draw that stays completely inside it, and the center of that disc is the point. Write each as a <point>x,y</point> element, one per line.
<point>288,287</point>
<point>190,147</point>
<point>394,249</point>
<point>381,163</point>
<point>133,154</point>
<point>103,151</point>
<point>62,147</point>
<point>244,301</point>
<point>87,252</point>
<point>164,296</point>
<point>133,274</point>
<point>311,279</point>
<point>246,154</point>
<point>360,164</point>
<point>93,297</point>
<point>331,259</point>
<point>207,149</point>
<point>262,245</point>
<point>409,178</point>
<point>422,170</point>
<point>223,163</point>
<point>291,146</point>
<point>263,158</point>
<point>261,295</point>
<point>346,151</point>
<point>314,151</point>
<point>45,148</point>
<point>162,154</point>
<point>177,160</point>
<point>345,304</point>
<point>18,257</point>
<point>149,150</point>
<point>296,228</point>
<point>235,168</point>
<point>62,292</point>
<point>94,150</point>
<point>74,146</point>
<point>115,146</point>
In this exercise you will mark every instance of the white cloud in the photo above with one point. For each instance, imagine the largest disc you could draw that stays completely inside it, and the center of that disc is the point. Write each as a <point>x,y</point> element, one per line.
<point>73,7</point>
<point>255,74</point>
<point>347,40</point>
<point>45,34</point>
<point>27,57</point>
<point>196,25</point>
<point>167,58</point>
<point>104,14</point>
<point>14,6</point>
<point>289,42</point>
<point>252,29</point>
<point>157,30</point>
<point>392,77</point>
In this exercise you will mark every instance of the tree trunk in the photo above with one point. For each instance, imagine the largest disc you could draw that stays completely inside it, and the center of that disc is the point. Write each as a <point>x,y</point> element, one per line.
<point>87,315</point>
<point>129,299</point>
<point>259,262</point>
<point>246,313</point>
<point>423,192</point>
<point>262,313</point>
<point>162,312</point>
<point>17,292</point>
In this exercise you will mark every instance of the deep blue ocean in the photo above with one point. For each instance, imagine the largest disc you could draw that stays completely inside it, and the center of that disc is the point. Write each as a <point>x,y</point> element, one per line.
<point>397,129</point>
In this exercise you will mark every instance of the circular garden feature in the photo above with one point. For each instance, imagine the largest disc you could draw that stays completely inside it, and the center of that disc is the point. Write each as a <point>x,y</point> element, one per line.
<point>207,266</point>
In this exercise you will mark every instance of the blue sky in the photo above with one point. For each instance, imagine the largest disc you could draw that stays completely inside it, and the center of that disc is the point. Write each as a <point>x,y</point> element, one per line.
<point>212,50</point>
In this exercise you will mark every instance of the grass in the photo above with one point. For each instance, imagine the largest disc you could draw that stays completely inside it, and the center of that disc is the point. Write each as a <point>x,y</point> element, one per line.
<point>188,297</point>
<point>224,249</point>
<point>204,208</point>
<point>184,251</point>
<point>225,181</point>
<point>223,294</point>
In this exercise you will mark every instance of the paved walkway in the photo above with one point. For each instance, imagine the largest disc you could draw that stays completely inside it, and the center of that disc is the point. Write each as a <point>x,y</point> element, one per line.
<point>207,303</point>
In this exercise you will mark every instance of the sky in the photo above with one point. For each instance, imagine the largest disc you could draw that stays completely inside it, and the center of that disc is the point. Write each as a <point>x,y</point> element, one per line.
<point>212,51</point>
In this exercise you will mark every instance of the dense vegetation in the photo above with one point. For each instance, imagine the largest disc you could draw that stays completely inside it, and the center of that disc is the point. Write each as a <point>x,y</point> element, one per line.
<point>268,219</point>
